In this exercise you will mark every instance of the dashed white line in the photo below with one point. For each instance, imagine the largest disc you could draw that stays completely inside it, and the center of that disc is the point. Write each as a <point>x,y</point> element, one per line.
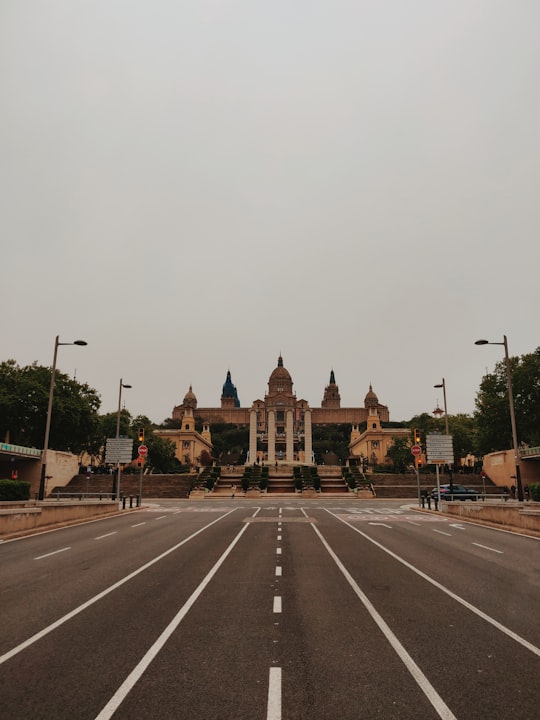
<point>441,532</point>
<point>488,548</point>
<point>279,537</point>
<point>277,604</point>
<point>137,525</point>
<point>274,694</point>
<point>278,571</point>
<point>278,551</point>
<point>160,517</point>
<point>55,552</point>
<point>100,537</point>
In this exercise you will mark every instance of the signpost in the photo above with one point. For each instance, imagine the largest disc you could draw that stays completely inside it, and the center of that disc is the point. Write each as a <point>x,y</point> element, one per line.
<point>416,450</point>
<point>143,452</point>
<point>440,451</point>
<point>118,450</point>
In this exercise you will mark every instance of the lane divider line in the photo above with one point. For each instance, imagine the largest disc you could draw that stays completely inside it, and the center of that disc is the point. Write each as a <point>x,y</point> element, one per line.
<point>441,532</point>
<point>488,548</point>
<point>119,696</point>
<point>55,552</point>
<point>100,537</point>
<point>37,636</point>
<point>278,570</point>
<point>273,711</point>
<point>278,551</point>
<point>510,633</point>
<point>277,604</point>
<point>427,688</point>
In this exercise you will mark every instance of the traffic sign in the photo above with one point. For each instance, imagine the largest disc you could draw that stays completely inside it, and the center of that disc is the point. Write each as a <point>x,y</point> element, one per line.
<point>143,450</point>
<point>118,450</point>
<point>439,449</point>
<point>416,450</point>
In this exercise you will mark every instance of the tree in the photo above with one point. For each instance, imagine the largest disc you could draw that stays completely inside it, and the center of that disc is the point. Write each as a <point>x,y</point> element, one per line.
<point>494,430</point>
<point>162,455</point>
<point>24,396</point>
<point>399,453</point>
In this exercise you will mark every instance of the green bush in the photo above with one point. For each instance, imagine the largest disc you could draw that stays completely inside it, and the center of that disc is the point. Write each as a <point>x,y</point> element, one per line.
<point>534,490</point>
<point>14,490</point>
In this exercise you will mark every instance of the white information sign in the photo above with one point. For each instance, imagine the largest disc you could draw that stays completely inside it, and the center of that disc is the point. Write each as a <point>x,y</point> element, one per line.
<point>439,449</point>
<point>119,450</point>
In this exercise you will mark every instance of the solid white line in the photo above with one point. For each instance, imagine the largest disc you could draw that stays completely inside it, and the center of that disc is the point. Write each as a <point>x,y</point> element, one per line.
<point>441,532</point>
<point>457,598</point>
<point>14,651</point>
<point>100,537</point>
<point>137,525</point>
<point>278,551</point>
<point>119,696</point>
<point>274,694</point>
<point>278,570</point>
<point>432,695</point>
<point>488,548</point>
<point>55,552</point>
<point>277,604</point>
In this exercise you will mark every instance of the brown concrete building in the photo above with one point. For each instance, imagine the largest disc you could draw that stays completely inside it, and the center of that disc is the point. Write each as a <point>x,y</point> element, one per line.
<point>280,425</point>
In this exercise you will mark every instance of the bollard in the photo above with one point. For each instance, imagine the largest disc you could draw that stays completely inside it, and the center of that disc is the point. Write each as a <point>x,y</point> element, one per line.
<point>423,499</point>
<point>131,501</point>
<point>123,502</point>
<point>138,501</point>
<point>436,501</point>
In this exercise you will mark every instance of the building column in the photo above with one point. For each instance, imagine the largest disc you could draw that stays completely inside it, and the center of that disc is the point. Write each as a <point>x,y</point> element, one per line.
<point>308,447</point>
<point>289,437</point>
<point>271,436</point>
<point>252,436</point>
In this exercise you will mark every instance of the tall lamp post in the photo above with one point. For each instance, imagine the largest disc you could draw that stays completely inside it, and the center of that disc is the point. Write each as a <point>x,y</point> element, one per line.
<point>43,477</point>
<point>512,411</point>
<point>443,386</point>
<point>122,385</point>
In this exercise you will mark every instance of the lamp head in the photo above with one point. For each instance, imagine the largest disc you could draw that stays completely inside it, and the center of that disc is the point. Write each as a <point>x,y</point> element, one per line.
<point>126,386</point>
<point>80,342</point>
<point>482,342</point>
<point>438,385</point>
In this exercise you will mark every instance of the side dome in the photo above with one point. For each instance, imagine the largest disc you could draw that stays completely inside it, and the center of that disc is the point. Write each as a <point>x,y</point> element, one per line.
<point>371,400</point>
<point>190,399</point>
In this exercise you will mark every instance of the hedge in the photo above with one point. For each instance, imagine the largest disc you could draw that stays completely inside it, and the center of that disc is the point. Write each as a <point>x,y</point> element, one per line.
<point>14,490</point>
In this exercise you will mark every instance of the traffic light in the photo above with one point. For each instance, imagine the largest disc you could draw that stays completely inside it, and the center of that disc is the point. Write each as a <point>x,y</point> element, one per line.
<point>416,436</point>
<point>140,435</point>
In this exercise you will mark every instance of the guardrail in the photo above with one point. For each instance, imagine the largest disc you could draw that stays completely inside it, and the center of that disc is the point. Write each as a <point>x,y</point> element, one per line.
<point>95,496</point>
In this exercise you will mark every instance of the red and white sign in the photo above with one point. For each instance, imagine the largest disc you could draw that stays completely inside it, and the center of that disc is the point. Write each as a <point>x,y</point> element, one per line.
<point>143,450</point>
<point>416,450</point>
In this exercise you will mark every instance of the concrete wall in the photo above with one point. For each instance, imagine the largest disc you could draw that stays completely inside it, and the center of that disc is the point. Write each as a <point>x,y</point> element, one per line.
<point>524,517</point>
<point>18,518</point>
<point>501,468</point>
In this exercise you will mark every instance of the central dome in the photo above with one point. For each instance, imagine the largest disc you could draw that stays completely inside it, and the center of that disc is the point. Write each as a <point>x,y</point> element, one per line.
<point>280,379</point>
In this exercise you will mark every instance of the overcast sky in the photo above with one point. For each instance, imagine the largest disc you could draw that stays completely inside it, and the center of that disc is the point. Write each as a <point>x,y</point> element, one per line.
<point>200,185</point>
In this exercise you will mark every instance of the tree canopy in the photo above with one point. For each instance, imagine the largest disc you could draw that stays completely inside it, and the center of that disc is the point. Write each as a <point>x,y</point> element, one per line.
<point>24,396</point>
<point>494,430</point>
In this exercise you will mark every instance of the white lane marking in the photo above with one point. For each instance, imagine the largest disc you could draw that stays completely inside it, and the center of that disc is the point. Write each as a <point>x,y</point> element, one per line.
<point>274,694</point>
<point>100,537</point>
<point>277,604</point>
<point>161,517</point>
<point>279,537</point>
<point>134,676</point>
<point>382,524</point>
<point>441,532</point>
<point>14,651</point>
<point>457,525</point>
<point>413,523</point>
<point>278,571</point>
<point>278,551</point>
<point>55,552</point>
<point>432,695</point>
<point>510,633</point>
<point>488,548</point>
<point>138,524</point>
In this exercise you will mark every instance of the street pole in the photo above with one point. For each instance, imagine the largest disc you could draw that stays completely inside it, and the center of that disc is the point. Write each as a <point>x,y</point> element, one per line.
<point>43,476</point>
<point>443,386</point>
<point>118,470</point>
<point>512,410</point>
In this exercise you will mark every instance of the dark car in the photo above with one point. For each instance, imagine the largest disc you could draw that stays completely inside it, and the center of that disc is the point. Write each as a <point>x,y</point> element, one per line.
<point>459,492</point>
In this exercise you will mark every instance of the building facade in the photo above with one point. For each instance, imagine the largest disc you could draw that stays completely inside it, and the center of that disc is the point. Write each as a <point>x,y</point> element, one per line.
<point>280,424</point>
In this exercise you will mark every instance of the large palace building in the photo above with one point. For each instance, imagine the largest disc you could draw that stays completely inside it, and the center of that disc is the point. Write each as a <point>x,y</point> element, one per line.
<point>280,425</point>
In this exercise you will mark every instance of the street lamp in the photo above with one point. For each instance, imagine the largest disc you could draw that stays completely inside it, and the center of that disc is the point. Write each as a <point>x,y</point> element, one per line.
<point>443,386</point>
<point>122,385</point>
<point>57,342</point>
<point>512,411</point>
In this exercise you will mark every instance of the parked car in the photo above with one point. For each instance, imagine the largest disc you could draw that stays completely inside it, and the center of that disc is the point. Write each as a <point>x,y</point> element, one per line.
<point>459,492</point>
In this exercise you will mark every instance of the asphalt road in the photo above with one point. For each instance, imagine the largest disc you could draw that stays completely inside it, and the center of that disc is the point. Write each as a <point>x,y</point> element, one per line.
<point>224,610</point>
